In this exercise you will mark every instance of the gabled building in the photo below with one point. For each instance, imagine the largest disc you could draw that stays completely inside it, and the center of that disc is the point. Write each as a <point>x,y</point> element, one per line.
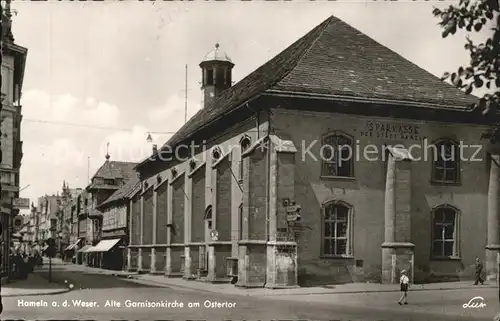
<point>47,211</point>
<point>114,237</point>
<point>68,241</point>
<point>314,169</point>
<point>109,178</point>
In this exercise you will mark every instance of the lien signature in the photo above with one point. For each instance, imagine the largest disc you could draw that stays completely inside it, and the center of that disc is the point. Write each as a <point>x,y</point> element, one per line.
<point>476,302</point>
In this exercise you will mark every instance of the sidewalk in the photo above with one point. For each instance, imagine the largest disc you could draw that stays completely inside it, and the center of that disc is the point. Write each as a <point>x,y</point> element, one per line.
<point>351,288</point>
<point>34,285</point>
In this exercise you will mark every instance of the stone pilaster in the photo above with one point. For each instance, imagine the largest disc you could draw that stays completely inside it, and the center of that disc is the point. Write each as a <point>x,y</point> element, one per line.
<point>131,239</point>
<point>152,269</point>
<point>140,260</point>
<point>397,249</point>
<point>187,227</point>
<point>493,238</point>
<point>281,263</point>
<point>129,259</point>
<point>253,251</point>
<point>168,251</point>
<point>243,257</point>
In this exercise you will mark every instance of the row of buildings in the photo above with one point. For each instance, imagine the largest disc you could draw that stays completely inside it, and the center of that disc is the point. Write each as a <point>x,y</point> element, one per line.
<point>84,220</point>
<point>247,192</point>
<point>11,151</point>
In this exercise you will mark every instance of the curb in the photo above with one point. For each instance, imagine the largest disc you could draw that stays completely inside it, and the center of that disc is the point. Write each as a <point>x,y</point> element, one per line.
<point>244,293</point>
<point>36,293</point>
<point>136,277</point>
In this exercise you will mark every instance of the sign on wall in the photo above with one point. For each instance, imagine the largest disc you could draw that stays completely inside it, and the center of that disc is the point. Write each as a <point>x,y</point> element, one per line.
<point>387,130</point>
<point>115,218</point>
<point>21,203</point>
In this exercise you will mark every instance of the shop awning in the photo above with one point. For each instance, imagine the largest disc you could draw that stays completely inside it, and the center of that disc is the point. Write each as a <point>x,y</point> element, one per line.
<point>72,246</point>
<point>84,249</point>
<point>105,245</point>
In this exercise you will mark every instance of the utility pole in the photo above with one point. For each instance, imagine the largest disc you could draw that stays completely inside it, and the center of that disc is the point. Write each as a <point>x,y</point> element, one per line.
<point>186,96</point>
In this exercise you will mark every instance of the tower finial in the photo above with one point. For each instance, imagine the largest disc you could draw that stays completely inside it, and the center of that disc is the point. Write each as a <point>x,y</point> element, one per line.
<point>107,152</point>
<point>217,45</point>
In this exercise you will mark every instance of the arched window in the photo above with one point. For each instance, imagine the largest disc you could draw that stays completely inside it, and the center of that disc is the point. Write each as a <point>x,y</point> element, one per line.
<point>208,218</point>
<point>446,228</point>
<point>337,227</point>
<point>446,162</point>
<point>245,143</point>
<point>336,153</point>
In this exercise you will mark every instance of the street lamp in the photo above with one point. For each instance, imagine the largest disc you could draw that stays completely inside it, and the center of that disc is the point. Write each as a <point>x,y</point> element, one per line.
<point>149,139</point>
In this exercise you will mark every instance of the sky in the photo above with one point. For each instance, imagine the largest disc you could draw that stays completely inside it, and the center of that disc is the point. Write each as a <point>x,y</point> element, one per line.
<point>111,72</point>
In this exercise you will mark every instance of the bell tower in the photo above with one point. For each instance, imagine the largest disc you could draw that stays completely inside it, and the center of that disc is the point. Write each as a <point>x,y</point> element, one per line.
<point>216,75</point>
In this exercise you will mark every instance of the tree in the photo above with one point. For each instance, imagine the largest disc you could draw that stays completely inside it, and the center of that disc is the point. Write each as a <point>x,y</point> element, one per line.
<point>484,68</point>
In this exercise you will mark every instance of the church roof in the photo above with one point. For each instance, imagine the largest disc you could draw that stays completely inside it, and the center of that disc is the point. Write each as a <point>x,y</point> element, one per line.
<point>334,58</point>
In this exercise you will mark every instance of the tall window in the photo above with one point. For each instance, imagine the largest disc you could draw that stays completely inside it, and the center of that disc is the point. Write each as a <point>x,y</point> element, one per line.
<point>245,143</point>
<point>210,77</point>
<point>240,217</point>
<point>446,162</point>
<point>337,220</point>
<point>336,153</point>
<point>208,218</point>
<point>445,232</point>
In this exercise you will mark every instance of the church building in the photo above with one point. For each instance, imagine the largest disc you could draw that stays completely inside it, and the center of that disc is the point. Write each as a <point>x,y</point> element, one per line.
<point>336,161</point>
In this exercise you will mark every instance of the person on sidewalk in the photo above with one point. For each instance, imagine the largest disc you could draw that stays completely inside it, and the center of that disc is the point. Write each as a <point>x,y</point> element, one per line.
<point>404,284</point>
<point>479,272</point>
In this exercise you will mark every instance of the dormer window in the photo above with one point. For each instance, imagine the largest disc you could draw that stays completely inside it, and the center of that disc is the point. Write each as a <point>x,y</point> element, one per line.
<point>216,154</point>
<point>98,180</point>
<point>109,181</point>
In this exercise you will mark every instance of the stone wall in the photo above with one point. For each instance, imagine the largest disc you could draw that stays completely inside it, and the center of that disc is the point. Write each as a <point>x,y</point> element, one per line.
<point>365,193</point>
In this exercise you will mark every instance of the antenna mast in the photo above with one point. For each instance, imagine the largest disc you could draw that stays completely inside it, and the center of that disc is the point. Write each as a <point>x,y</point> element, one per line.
<point>88,169</point>
<point>186,97</point>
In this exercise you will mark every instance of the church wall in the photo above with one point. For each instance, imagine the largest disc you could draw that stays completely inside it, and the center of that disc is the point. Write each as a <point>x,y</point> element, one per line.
<point>366,193</point>
<point>229,198</point>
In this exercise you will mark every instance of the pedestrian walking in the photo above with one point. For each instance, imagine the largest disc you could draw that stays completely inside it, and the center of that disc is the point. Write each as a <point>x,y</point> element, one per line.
<point>404,284</point>
<point>479,272</point>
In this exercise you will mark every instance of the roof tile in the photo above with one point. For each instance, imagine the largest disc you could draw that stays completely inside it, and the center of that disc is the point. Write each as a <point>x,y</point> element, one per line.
<point>336,59</point>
